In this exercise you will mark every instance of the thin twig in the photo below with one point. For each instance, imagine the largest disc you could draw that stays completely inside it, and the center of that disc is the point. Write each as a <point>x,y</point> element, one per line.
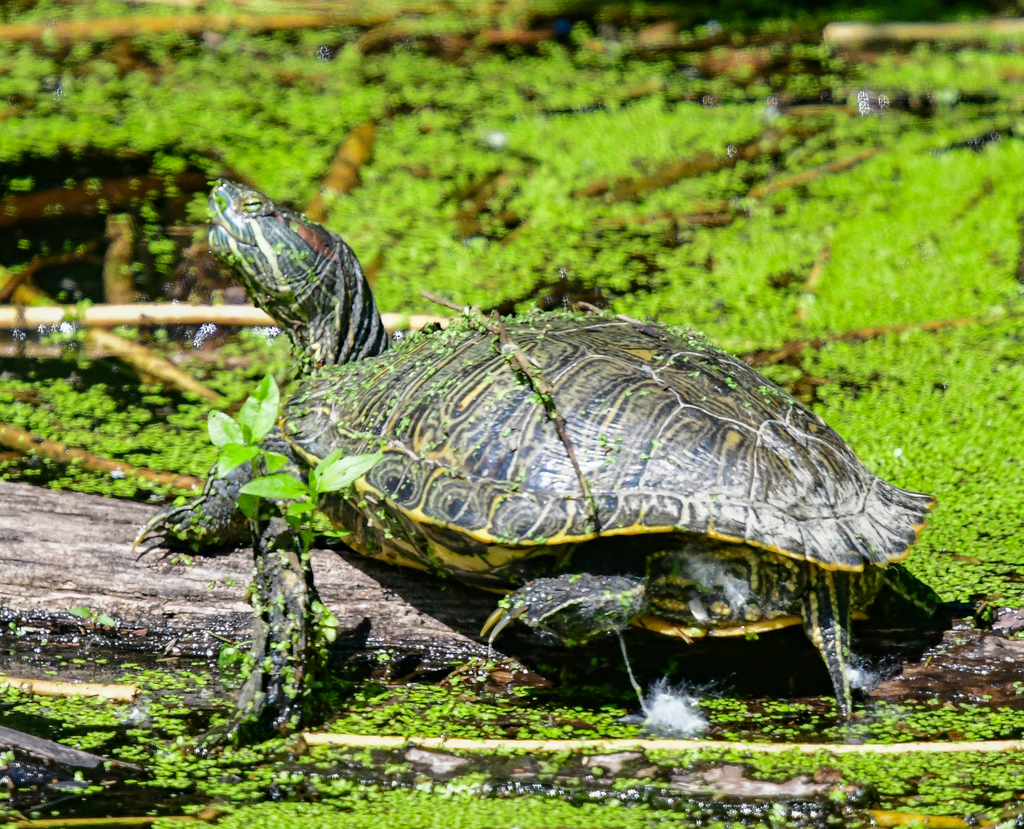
<point>142,315</point>
<point>526,367</point>
<point>60,688</point>
<point>454,744</point>
<point>440,300</point>
<point>343,175</point>
<point>29,444</point>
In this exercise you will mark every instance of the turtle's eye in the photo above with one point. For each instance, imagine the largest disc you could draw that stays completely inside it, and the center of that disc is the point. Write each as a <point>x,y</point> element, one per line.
<point>252,204</point>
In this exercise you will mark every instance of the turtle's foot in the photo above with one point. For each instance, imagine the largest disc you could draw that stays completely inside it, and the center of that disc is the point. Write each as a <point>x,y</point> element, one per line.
<point>573,608</point>
<point>210,520</point>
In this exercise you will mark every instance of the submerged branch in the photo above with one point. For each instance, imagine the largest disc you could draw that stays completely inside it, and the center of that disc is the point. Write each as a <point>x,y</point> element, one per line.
<point>837,166</point>
<point>343,175</point>
<point>25,442</point>
<point>87,198</point>
<point>10,282</point>
<point>769,357</point>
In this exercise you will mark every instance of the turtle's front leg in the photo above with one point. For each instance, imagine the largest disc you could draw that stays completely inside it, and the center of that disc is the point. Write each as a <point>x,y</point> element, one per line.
<point>826,611</point>
<point>573,608</point>
<point>213,519</point>
<point>282,599</point>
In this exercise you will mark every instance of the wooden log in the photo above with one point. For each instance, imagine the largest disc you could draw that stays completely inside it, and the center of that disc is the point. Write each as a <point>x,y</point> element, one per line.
<point>63,550</point>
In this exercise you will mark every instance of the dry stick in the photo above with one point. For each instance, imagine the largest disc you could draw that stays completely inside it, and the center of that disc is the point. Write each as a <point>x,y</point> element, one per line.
<point>813,280</point>
<point>145,361</point>
<point>86,198</point>
<point>29,444</point>
<point>378,741</point>
<point>118,286</point>
<point>190,24</point>
<point>857,35</point>
<point>343,175</point>
<point>762,190</point>
<point>794,347</point>
<point>10,282</point>
<point>141,315</point>
<point>60,688</point>
<point>885,818</point>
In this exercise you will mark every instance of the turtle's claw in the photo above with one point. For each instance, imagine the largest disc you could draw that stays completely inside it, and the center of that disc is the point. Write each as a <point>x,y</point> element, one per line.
<point>501,618</point>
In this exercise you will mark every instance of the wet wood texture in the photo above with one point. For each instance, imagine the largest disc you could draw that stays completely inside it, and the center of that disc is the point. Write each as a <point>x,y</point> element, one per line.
<point>62,550</point>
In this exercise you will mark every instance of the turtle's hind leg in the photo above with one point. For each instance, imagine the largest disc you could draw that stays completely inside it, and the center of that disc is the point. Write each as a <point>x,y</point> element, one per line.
<point>826,612</point>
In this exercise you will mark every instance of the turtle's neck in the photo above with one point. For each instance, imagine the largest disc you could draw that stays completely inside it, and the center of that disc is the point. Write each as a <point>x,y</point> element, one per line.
<point>341,322</point>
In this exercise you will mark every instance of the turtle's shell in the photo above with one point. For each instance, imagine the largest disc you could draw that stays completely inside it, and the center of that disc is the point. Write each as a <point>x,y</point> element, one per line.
<point>671,435</point>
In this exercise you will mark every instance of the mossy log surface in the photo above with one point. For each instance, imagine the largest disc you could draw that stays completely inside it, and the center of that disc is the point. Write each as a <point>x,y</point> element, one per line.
<point>62,550</point>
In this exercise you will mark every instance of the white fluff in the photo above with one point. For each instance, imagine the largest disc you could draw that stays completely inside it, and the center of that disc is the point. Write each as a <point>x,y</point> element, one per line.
<point>860,675</point>
<point>671,710</point>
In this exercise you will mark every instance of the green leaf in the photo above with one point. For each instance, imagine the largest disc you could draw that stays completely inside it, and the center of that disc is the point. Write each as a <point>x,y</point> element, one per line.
<point>223,430</point>
<point>229,655</point>
<point>338,473</point>
<point>276,486</point>
<point>247,505</point>
<point>300,508</point>
<point>259,412</point>
<point>104,620</point>
<point>82,612</point>
<point>336,533</point>
<point>274,461</point>
<point>233,455</point>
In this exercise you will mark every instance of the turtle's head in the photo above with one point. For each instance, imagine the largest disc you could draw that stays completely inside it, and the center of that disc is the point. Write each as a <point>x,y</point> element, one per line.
<point>299,272</point>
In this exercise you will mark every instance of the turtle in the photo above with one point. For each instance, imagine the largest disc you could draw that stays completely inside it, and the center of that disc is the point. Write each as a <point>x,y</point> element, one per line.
<point>602,471</point>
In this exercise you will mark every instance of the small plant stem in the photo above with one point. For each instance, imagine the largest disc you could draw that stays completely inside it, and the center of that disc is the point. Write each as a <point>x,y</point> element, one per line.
<point>62,688</point>
<point>25,442</point>
<point>343,175</point>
